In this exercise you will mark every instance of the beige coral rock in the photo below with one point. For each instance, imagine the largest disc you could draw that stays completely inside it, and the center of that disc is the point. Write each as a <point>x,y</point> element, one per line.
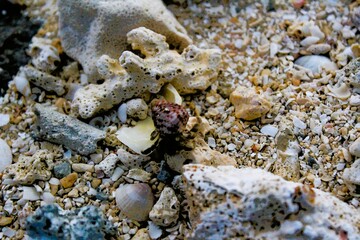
<point>30,168</point>
<point>200,154</point>
<point>166,210</point>
<point>195,69</point>
<point>248,104</point>
<point>230,203</point>
<point>104,25</point>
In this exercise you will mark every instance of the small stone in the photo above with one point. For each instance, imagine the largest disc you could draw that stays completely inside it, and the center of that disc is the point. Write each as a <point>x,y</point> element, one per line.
<point>298,123</point>
<point>61,170</point>
<point>108,164</point>
<point>30,193</point>
<point>351,176</point>
<point>54,189</point>
<point>248,104</point>
<point>82,167</point>
<point>4,119</point>
<point>354,148</point>
<point>4,221</point>
<point>118,172</point>
<point>69,180</point>
<point>73,193</point>
<point>154,231</point>
<point>166,210</point>
<point>165,174</point>
<point>142,234</point>
<point>6,155</point>
<point>139,175</point>
<point>95,182</point>
<point>269,130</point>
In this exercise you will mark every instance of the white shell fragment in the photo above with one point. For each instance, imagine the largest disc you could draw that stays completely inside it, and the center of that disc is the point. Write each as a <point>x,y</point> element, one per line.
<point>298,123</point>
<point>135,200</point>
<point>341,92</point>
<point>138,138</point>
<point>30,193</point>
<point>22,84</point>
<point>315,63</point>
<point>5,155</point>
<point>4,119</point>
<point>122,113</point>
<point>269,130</point>
<point>171,94</point>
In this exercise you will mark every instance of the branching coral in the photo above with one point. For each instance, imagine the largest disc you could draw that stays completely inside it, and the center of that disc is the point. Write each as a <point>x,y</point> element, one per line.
<point>195,69</point>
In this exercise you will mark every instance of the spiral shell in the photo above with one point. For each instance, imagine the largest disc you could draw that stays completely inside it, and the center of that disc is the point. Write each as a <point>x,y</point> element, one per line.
<point>135,200</point>
<point>169,118</point>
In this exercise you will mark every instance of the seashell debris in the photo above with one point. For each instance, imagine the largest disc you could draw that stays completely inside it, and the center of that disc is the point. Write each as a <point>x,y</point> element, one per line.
<point>135,200</point>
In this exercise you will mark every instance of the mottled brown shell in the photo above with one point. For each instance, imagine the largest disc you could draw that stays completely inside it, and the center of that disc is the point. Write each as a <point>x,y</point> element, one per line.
<point>169,118</point>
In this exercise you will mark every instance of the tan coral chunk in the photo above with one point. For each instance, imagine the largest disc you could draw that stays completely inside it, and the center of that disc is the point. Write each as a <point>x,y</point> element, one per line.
<point>248,104</point>
<point>30,168</point>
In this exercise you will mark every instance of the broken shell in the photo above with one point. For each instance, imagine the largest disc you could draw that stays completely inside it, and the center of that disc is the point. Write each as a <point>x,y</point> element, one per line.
<point>341,92</point>
<point>135,200</point>
<point>315,63</point>
<point>139,138</point>
<point>169,118</point>
<point>6,156</point>
<point>171,94</point>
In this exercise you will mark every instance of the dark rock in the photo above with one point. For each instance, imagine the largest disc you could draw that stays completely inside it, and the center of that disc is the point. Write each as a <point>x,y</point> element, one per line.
<point>16,31</point>
<point>62,170</point>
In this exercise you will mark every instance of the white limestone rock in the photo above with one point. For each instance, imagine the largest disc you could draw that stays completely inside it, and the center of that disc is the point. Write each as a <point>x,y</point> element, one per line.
<point>90,28</point>
<point>230,203</point>
<point>351,176</point>
<point>131,160</point>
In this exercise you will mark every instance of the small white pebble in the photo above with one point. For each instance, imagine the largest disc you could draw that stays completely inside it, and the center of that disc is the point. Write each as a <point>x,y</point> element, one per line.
<point>340,166</point>
<point>118,172</point>
<point>122,112</point>
<point>4,119</point>
<point>355,202</point>
<point>154,231</point>
<point>54,181</point>
<point>317,182</point>
<point>8,232</point>
<point>231,147</point>
<point>248,143</point>
<point>269,130</point>
<point>211,142</point>
<point>298,123</point>
<point>30,193</point>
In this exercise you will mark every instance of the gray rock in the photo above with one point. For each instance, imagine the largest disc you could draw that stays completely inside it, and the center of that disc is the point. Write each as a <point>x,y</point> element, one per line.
<point>62,129</point>
<point>50,222</point>
<point>62,170</point>
<point>104,25</point>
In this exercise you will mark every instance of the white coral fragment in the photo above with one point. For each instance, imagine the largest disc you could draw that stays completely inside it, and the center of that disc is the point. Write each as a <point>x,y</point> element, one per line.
<point>45,57</point>
<point>195,69</point>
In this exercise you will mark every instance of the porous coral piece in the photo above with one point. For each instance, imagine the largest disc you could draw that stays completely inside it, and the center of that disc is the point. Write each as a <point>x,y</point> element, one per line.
<point>104,25</point>
<point>68,131</point>
<point>51,222</point>
<point>44,80</point>
<point>45,57</point>
<point>248,104</point>
<point>195,69</point>
<point>166,210</point>
<point>28,169</point>
<point>108,164</point>
<point>169,118</point>
<point>200,154</point>
<point>131,160</point>
<point>229,203</point>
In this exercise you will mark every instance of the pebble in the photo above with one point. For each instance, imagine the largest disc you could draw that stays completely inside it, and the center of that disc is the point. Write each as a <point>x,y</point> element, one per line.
<point>211,142</point>
<point>61,170</point>
<point>4,221</point>
<point>6,155</point>
<point>73,193</point>
<point>82,167</point>
<point>154,231</point>
<point>4,119</point>
<point>269,130</point>
<point>30,193</point>
<point>139,175</point>
<point>141,234</point>
<point>354,148</point>
<point>95,182</point>
<point>8,232</point>
<point>351,176</point>
<point>118,172</point>
<point>298,123</point>
<point>231,147</point>
<point>69,180</point>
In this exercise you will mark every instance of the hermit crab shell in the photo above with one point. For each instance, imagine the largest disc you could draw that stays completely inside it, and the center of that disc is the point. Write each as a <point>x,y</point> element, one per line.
<point>135,200</point>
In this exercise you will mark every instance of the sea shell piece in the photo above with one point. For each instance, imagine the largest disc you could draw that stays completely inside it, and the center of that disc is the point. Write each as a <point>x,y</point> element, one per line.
<point>341,92</point>
<point>171,94</point>
<point>316,62</point>
<point>138,138</point>
<point>135,200</point>
<point>5,155</point>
